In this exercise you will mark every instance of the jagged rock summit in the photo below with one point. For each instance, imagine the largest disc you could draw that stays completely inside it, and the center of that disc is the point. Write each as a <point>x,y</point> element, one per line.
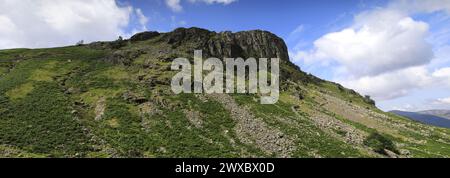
<point>254,43</point>
<point>245,44</point>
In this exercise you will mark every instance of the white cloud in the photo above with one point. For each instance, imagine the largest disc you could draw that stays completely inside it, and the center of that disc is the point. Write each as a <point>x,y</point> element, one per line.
<point>444,100</point>
<point>143,20</point>
<point>443,72</point>
<point>297,30</point>
<point>392,84</point>
<point>175,23</point>
<point>385,53</point>
<point>7,25</point>
<point>442,77</point>
<point>214,1</point>
<point>407,107</point>
<point>442,57</point>
<point>175,5</point>
<point>7,28</point>
<point>379,41</point>
<point>426,6</point>
<point>47,23</point>
<point>140,25</point>
<point>296,34</point>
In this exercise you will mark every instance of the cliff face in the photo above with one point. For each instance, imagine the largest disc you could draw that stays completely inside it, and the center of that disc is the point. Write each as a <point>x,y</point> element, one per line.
<point>254,43</point>
<point>245,44</point>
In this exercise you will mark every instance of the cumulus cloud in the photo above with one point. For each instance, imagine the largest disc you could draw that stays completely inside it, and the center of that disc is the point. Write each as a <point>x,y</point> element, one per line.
<point>8,32</point>
<point>48,23</point>
<point>407,107</point>
<point>427,6</point>
<point>399,83</point>
<point>385,52</point>
<point>443,101</point>
<point>214,1</point>
<point>175,5</point>
<point>442,76</point>
<point>442,57</point>
<point>379,41</point>
<point>392,84</point>
<point>139,24</point>
<point>143,20</point>
<point>296,33</point>
<point>443,72</point>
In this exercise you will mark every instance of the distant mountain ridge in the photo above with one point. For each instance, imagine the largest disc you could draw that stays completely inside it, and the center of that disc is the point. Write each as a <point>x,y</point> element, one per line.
<point>439,113</point>
<point>425,118</point>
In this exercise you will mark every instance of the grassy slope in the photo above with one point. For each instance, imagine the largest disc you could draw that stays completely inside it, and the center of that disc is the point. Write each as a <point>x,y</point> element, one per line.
<point>50,97</point>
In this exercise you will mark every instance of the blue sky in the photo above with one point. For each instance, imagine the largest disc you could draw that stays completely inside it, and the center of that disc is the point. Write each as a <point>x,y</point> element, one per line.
<point>280,18</point>
<point>396,51</point>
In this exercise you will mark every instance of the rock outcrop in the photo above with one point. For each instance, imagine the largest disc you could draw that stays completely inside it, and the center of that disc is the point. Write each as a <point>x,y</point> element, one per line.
<point>245,44</point>
<point>143,36</point>
<point>255,43</point>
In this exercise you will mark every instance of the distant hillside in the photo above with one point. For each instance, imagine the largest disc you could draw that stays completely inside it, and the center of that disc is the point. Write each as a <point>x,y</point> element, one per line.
<point>425,118</point>
<point>439,113</point>
<point>113,99</point>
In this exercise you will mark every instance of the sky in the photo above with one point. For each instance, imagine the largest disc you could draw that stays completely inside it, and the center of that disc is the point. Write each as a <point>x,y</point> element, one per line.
<point>398,52</point>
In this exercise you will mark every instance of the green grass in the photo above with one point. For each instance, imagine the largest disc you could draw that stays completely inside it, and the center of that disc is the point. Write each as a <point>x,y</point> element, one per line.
<point>171,134</point>
<point>40,118</point>
<point>41,123</point>
<point>36,116</point>
<point>115,73</point>
<point>310,139</point>
<point>379,143</point>
<point>12,152</point>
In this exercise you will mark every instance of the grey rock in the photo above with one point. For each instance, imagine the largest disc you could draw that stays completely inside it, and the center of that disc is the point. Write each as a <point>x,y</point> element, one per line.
<point>124,57</point>
<point>144,36</point>
<point>255,43</point>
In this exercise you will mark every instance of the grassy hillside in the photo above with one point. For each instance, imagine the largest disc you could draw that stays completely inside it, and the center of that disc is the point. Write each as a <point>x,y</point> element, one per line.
<point>113,99</point>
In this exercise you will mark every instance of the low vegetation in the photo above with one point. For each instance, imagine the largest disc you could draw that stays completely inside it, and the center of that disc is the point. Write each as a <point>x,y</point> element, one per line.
<point>380,143</point>
<point>113,99</point>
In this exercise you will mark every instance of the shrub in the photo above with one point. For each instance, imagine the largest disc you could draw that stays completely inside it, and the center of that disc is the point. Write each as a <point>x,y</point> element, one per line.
<point>118,43</point>
<point>369,100</point>
<point>80,43</point>
<point>379,143</point>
